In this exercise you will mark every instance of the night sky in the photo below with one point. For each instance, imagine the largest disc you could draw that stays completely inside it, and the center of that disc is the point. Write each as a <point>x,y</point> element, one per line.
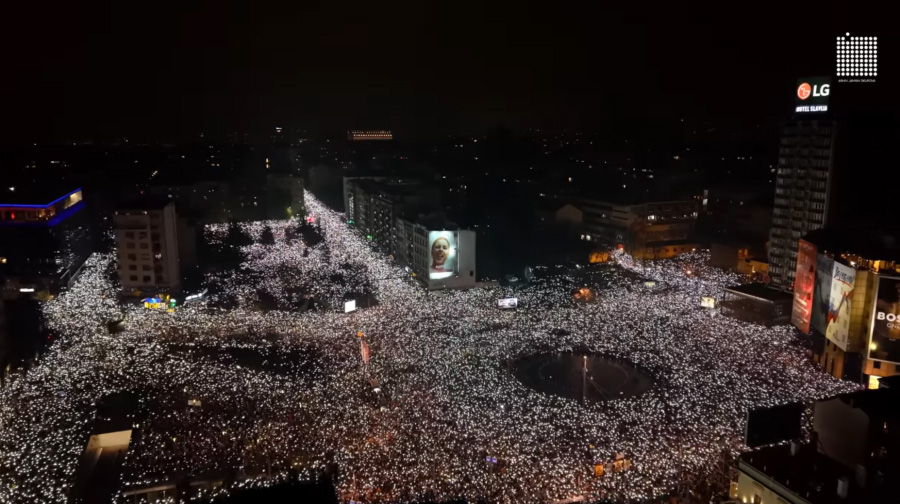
<point>141,70</point>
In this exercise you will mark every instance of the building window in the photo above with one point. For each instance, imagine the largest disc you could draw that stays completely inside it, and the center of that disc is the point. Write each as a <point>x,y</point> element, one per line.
<point>144,245</point>
<point>132,257</point>
<point>133,278</point>
<point>132,267</point>
<point>876,364</point>
<point>159,279</point>
<point>142,235</point>
<point>145,257</point>
<point>145,267</point>
<point>129,234</point>
<point>147,278</point>
<point>129,245</point>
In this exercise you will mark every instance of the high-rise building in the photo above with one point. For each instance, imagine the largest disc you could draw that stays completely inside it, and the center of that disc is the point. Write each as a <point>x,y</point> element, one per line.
<point>43,246</point>
<point>147,240</point>
<point>802,191</point>
<point>823,151</point>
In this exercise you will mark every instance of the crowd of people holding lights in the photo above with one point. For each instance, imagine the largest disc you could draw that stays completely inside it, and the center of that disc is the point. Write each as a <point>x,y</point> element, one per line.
<point>436,412</point>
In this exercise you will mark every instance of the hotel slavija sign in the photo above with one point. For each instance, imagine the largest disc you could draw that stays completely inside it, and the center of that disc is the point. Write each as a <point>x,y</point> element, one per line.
<point>812,94</point>
<point>885,341</point>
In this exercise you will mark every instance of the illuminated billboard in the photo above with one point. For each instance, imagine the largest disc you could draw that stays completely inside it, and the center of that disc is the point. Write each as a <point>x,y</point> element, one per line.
<point>885,340</point>
<point>441,254</point>
<point>837,321</point>
<point>708,302</point>
<point>507,302</point>
<point>804,282</point>
<point>812,94</point>
<point>821,294</point>
<point>350,306</point>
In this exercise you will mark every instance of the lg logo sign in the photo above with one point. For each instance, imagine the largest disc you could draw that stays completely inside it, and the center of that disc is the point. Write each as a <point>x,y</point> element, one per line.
<point>805,90</point>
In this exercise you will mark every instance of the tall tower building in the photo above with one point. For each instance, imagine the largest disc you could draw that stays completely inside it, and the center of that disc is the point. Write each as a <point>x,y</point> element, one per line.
<point>802,191</point>
<point>804,177</point>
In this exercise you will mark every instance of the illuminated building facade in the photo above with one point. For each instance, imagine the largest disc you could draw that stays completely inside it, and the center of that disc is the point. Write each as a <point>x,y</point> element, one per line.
<point>373,204</point>
<point>147,243</point>
<point>42,245</point>
<point>413,244</point>
<point>835,299</point>
<point>369,135</point>
<point>646,229</point>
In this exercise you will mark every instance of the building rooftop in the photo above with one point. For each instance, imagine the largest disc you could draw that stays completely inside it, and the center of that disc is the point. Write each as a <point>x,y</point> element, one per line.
<point>34,196</point>
<point>812,470</point>
<point>883,402</point>
<point>761,291</point>
<point>807,474</point>
<point>875,242</point>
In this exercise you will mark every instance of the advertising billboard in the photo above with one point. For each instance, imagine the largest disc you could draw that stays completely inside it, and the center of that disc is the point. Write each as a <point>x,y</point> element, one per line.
<point>822,294</point>
<point>349,306</point>
<point>441,254</point>
<point>837,322</point>
<point>708,302</point>
<point>885,341</point>
<point>507,302</point>
<point>804,281</point>
<point>812,94</point>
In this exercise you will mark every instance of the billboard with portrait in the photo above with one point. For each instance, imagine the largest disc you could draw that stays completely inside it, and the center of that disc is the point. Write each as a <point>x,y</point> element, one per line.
<point>442,258</point>
<point>885,340</point>
<point>818,319</point>
<point>804,282</point>
<point>837,322</point>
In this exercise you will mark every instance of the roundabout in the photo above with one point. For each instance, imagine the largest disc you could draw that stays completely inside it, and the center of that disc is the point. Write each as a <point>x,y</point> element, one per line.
<point>582,376</point>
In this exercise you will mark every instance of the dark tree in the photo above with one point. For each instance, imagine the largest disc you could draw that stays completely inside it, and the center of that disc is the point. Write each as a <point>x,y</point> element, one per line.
<point>236,236</point>
<point>268,237</point>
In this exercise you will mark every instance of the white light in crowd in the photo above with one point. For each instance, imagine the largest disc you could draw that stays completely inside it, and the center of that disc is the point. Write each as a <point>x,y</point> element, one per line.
<point>439,359</point>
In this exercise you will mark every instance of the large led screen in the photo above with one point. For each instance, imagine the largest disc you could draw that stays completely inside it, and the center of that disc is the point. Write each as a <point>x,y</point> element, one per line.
<point>837,329</point>
<point>804,281</point>
<point>885,342</point>
<point>442,258</point>
<point>822,294</point>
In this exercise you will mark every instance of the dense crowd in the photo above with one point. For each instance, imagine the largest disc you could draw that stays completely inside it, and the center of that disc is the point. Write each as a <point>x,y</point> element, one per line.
<point>252,395</point>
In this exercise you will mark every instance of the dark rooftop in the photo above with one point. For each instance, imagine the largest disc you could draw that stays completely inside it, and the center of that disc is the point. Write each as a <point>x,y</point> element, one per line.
<point>808,473</point>
<point>761,291</point>
<point>875,242</point>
